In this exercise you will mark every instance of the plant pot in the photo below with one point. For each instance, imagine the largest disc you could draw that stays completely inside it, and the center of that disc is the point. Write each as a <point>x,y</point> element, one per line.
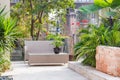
<point>57,50</point>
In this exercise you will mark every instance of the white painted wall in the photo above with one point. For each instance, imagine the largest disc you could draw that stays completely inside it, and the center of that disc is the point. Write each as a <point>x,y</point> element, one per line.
<point>7,4</point>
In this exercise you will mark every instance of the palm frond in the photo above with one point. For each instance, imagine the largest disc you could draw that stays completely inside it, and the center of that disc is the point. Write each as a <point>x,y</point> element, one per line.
<point>1,10</point>
<point>90,8</point>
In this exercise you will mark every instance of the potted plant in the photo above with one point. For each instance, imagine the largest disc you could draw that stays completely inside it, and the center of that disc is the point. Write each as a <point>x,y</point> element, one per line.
<point>57,42</point>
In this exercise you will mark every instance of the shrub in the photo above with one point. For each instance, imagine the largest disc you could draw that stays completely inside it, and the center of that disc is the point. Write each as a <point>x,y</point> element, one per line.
<point>93,36</point>
<point>8,34</point>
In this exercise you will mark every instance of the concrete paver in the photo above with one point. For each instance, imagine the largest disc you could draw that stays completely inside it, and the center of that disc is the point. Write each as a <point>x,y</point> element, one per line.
<point>22,71</point>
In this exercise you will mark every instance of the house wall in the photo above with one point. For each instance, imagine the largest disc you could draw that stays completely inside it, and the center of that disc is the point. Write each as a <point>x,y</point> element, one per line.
<point>7,4</point>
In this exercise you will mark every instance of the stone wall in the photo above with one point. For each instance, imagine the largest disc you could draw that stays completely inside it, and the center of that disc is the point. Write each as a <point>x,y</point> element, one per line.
<point>108,60</point>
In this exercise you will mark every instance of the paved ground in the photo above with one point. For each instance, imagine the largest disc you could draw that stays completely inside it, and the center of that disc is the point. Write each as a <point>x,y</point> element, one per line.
<point>22,71</point>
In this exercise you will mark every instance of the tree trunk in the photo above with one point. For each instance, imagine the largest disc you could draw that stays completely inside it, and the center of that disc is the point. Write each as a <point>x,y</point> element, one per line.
<point>32,22</point>
<point>32,29</point>
<point>38,34</point>
<point>40,21</point>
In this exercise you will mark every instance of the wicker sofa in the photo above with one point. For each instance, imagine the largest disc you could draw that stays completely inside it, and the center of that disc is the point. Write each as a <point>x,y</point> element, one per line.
<point>41,53</point>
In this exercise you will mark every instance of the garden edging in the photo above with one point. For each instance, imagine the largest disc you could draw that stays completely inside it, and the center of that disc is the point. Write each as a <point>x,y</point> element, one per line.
<point>90,72</point>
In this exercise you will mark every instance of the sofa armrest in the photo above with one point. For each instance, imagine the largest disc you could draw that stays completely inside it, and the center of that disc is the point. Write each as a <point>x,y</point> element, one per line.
<point>25,53</point>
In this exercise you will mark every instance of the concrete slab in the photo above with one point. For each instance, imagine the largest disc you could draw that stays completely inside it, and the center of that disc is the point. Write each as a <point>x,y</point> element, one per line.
<point>22,71</point>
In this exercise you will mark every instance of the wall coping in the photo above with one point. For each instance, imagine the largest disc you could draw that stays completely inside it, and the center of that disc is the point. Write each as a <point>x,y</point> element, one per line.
<point>90,72</point>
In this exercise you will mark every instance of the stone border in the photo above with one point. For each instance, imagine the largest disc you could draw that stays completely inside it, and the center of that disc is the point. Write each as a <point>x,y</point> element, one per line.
<point>6,77</point>
<point>89,72</point>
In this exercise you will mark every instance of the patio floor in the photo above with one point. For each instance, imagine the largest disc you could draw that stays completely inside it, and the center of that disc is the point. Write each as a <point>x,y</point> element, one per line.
<point>22,71</point>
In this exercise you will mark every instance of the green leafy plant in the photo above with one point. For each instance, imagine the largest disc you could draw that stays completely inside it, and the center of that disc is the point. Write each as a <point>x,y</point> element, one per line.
<point>8,34</point>
<point>100,4</point>
<point>1,10</point>
<point>57,39</point>
<point>93,36</point>
<point>57,42</point>
<point>107,33</point>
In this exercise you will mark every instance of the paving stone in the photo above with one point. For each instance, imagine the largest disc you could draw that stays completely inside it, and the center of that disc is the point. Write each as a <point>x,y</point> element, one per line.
<point>22,71</point>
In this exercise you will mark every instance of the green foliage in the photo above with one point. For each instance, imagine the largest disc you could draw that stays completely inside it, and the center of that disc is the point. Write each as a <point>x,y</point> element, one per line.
<point>57,39</point>
<point>103,3</point>
<point>34,14</point>
<point>8,34</point>
<point>115,4</point>
<point>107,33</point>
<point>100,4</point>
<point>93,36</point>
<point>4,62</point>
<point>1,11</point>
<point>90,8</point>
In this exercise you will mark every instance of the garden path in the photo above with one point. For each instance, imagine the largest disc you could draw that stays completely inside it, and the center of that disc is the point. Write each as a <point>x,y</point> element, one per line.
<point>22,71</point>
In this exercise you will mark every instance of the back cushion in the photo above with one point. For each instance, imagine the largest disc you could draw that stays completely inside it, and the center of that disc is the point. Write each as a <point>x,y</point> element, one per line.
<point>39,46</point>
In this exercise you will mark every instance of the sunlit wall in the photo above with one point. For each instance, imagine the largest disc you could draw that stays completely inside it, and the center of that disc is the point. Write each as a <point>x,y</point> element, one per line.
<point>5,3</point>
